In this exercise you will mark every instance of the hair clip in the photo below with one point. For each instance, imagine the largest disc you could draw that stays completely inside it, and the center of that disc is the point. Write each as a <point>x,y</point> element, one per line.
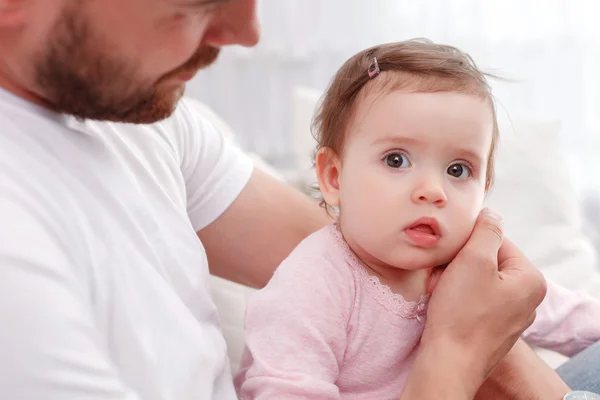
<point>373,70</point>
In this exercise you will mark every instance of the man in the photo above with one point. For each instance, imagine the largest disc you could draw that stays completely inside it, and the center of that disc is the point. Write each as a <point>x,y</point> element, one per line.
<point>102,273</point>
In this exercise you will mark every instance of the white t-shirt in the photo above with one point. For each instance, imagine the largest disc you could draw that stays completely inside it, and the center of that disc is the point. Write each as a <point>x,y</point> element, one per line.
<point>102,277</point>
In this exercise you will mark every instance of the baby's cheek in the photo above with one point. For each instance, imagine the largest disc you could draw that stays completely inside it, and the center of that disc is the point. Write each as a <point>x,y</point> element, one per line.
<point>470,215</point>
<point>463,232</point>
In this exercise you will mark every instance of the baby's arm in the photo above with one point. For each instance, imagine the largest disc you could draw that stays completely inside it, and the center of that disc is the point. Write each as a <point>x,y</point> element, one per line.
<point>566,321</point>
<point>296,334</point>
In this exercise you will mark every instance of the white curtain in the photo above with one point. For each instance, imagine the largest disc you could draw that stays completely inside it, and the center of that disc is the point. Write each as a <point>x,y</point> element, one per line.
<point>550,49</point>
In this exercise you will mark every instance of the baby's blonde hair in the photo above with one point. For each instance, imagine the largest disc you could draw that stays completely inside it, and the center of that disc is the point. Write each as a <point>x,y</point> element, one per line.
<point>418,65</point>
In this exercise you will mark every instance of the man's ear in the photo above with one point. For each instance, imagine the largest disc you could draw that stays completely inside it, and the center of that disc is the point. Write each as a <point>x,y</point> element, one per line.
<point>327,165</point>
<point>12,12</point>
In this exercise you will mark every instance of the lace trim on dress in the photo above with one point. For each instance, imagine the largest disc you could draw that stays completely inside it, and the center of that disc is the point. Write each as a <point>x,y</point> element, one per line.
<point>382,293</point>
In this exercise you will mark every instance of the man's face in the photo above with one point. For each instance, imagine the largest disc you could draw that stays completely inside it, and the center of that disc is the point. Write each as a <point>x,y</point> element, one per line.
<point>128,60</point>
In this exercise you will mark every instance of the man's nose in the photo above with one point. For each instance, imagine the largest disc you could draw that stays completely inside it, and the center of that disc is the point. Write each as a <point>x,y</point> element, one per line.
<point>237,23</point>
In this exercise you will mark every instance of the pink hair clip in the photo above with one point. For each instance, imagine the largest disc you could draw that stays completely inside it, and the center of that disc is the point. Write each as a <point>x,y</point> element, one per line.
<point>373,68</point>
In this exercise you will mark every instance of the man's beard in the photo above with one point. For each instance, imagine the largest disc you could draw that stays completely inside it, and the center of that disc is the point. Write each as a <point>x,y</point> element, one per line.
<point>77,75</point>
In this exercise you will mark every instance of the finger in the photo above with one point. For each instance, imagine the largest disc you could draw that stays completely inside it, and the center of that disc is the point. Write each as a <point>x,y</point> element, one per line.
<point>530,320</point>
<point>487,235</point>
<point>537,286</point>
<point>509,255</point>
<point>512,264</point>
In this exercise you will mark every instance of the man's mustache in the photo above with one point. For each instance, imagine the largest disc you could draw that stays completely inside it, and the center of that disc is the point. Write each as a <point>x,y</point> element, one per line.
<point>204,57</point>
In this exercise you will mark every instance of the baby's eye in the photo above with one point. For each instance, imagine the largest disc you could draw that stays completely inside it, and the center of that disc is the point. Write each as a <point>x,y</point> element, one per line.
<point>397,160</point>
<point>459,171</point>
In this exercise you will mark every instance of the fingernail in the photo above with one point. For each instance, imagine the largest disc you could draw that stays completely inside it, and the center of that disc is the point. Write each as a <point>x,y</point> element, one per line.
<point>494,214</point>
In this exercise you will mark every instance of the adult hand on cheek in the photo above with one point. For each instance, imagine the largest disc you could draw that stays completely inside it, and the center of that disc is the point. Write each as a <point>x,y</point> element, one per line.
<point>480,304</point>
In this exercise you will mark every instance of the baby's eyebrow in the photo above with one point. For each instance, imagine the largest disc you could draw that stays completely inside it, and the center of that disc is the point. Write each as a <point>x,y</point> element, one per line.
<point>396,139</point>
<point>470,154</point>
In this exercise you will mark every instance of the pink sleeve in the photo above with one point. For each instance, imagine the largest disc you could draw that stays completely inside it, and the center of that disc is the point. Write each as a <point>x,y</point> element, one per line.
<point>566,322</point>
<point>296,333</point>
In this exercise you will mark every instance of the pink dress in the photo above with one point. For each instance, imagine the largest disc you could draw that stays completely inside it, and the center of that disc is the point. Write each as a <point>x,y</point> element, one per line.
<point>323,328</point>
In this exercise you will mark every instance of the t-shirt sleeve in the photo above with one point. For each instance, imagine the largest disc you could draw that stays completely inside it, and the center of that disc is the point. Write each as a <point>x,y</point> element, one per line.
<point>566,321</point>
<point>49,345</point>
<point>296,334</point>
<point>214,168</point>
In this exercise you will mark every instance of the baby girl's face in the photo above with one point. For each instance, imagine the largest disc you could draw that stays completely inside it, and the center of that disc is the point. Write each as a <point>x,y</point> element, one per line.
<point>412,176</point>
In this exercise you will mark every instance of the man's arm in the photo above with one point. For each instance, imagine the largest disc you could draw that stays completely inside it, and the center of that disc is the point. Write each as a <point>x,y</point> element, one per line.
<point>522,375</point>
<point>266,222</point>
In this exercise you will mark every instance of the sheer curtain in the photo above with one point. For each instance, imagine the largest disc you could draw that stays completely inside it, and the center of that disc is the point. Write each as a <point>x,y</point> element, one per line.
<point>550,49</point>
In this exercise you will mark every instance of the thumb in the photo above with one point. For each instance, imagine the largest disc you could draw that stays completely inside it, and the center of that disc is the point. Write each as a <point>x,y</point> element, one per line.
<point>487,235</point>
<point>509,255</point>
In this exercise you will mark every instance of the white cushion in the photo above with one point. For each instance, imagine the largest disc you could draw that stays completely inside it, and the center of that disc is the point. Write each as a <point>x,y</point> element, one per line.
<point>542,214</point>
<point>230,299</point>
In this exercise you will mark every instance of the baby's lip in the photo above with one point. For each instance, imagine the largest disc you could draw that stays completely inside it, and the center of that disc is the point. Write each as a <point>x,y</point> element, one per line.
<point>427,221</point>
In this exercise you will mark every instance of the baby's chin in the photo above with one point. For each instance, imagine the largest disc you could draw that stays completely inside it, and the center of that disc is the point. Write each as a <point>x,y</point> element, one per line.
<point>425,259</point>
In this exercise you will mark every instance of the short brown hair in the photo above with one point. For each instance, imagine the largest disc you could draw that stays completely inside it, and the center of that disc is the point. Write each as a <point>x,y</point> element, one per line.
<point>419,65</point>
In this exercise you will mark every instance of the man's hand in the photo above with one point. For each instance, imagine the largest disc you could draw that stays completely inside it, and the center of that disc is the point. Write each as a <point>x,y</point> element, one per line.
<point>481,304</point>
<point>522,375</point>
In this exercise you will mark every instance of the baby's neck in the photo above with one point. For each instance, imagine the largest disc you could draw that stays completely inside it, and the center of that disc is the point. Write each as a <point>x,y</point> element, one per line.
<point>411,284</point>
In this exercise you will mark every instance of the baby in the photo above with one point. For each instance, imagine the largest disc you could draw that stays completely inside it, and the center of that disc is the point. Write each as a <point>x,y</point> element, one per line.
<point>407,133</point>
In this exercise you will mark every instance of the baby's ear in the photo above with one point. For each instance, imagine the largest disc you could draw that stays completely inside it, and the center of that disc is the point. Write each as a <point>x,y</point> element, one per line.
<point>327,165</point>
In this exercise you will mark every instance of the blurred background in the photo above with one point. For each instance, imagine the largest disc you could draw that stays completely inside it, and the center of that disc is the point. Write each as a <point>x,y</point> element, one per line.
<point>550,49</point>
